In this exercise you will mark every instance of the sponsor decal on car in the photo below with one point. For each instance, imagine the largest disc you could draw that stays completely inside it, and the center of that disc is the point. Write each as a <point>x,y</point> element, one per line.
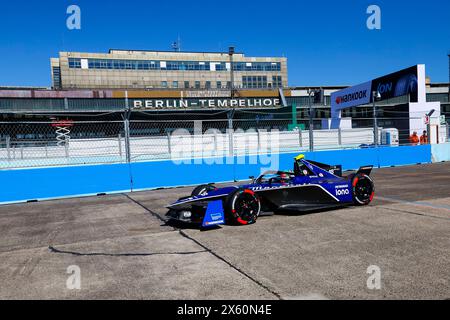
<point>342,190</point>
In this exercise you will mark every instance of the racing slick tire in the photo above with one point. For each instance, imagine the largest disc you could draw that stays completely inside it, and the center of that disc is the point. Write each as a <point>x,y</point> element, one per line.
<point>242,207</point>
<point>203,188</point>
<point>363,189</point>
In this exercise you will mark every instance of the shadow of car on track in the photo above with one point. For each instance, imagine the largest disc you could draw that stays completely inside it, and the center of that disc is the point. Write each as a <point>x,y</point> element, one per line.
<point>186,225</point>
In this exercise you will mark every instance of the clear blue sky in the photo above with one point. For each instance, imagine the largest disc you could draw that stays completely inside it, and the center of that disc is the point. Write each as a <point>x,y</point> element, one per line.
<point>326,42</point>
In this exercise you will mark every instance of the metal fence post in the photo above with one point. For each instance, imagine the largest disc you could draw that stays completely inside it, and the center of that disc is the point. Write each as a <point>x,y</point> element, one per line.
<point>259,140</point>
<point>8,146</point>
<point>375,120</point>
<point>169,146</point>
<point>300,138</point>
<point>120,145</point>
<point>230,133</point>
<point>66,146</point>
<point>311,125</point>
<point>126,125</point>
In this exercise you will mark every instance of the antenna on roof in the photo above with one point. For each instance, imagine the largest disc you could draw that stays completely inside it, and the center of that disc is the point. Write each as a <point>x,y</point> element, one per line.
<point>176,46</point>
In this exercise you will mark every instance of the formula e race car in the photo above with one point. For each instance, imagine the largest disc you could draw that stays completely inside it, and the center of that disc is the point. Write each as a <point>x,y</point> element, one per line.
<point>310,186</point>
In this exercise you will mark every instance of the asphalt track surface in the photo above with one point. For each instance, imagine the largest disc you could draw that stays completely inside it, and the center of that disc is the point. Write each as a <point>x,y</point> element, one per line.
<point>125,250</point>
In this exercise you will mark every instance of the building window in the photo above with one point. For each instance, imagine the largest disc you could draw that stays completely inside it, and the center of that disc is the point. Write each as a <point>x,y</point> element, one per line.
<point>228,84</point>
<point>174,84</point>
<point>219,84</point>
<point>197,84</point>
<point>186,84</point>
<point>208,85</point>
<point>221,66</point>
<point>163,84</point>
<point>276,82</point>
<point>75,63</point>
<point>257,66</point>
<point>122,64</point>
<point>254,82</point>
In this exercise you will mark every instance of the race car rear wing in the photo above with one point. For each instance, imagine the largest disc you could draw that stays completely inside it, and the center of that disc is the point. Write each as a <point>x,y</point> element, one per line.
<point>365,170</point>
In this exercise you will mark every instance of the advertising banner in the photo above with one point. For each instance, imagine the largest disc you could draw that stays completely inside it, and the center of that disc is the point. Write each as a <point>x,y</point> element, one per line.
<point>351,97</point>
<point>396,84</point>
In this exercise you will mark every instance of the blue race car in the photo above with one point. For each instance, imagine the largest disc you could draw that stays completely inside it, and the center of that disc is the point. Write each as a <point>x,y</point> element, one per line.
<point>310,186</point>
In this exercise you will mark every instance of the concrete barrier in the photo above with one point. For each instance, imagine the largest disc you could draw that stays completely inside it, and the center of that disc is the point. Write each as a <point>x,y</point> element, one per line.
<point>440,152</point>
<point>349,159</point>
<point>49,183</point>
<point>166,173</point>
<point>58,182</point>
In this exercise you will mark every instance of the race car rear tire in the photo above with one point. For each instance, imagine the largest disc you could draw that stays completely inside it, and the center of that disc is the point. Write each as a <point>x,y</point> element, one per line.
<point>363,189</point>
<point>242,207</point>
<point>202,189</point>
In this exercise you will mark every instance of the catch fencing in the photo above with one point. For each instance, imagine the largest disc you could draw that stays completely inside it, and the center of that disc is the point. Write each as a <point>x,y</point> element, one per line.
<point>42,144</point>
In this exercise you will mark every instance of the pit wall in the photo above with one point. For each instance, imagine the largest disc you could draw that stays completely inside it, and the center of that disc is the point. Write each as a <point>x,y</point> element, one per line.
<point>22,185</point>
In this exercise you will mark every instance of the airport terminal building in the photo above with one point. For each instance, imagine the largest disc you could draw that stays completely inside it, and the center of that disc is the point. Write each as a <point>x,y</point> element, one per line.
<point>137,69</point>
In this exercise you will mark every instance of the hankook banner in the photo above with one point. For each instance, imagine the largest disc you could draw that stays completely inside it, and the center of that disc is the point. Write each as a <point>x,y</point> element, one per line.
<point>396,84</point>
<point>353,96</point>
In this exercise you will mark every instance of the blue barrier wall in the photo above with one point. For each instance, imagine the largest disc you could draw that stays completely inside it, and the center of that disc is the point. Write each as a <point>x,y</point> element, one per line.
<point>166,173</point>
<point>349,159</point>
<point>58,182</point>
<point>440,152</point>
<point>47,183</point>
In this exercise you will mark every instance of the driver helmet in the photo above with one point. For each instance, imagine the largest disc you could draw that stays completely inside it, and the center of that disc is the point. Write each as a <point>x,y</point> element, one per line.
<point>284,177</point>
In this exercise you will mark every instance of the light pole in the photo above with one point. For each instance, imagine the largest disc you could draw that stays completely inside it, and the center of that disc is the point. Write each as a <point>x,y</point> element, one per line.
<point>429,114</point>
<point>230,53</point>
<point>126,122</point>
<point>375,96</point>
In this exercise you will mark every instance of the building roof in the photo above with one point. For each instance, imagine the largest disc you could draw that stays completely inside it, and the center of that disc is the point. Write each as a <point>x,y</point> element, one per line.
<point>170,51</point>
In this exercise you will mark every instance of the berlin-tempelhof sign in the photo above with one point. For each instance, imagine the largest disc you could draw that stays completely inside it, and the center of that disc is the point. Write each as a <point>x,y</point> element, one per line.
<point>206,103</point>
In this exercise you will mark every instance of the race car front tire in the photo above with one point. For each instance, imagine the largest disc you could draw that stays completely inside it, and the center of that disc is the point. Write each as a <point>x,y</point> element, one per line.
<point>242,207</point>
<point>363,189</point>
